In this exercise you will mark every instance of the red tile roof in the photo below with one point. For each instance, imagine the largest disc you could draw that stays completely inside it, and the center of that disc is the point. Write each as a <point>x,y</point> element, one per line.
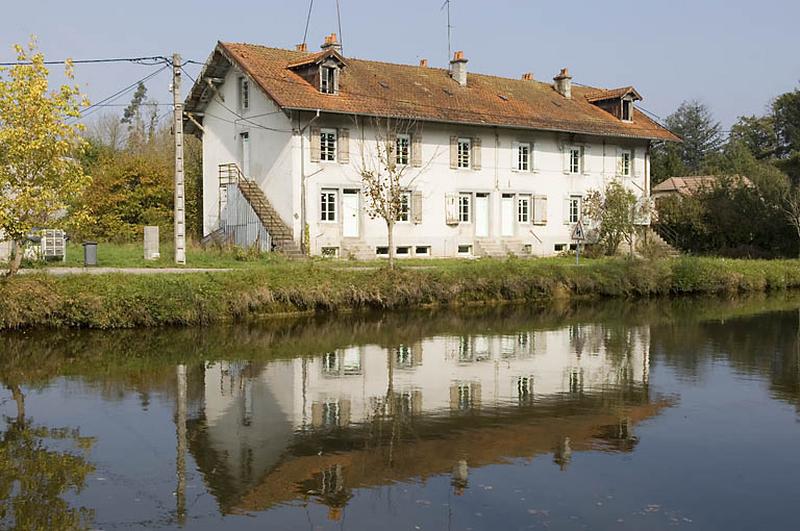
<point>428,94</point>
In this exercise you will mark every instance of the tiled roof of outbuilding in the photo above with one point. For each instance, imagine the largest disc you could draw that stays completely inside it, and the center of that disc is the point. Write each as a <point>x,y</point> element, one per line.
<point>428,94</point>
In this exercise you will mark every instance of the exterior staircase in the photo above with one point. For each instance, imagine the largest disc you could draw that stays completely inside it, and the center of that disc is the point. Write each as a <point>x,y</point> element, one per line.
<point>491,248</point>
<point>357,250</point>
<point>515,247</point>
<point>279,232</point>
<point>657,240</point>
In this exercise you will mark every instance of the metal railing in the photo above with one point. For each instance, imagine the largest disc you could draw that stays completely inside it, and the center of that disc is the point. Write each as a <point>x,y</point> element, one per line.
<point>237,214</point>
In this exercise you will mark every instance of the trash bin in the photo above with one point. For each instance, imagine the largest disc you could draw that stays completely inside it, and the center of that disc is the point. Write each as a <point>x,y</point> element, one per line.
<point>89,254</point>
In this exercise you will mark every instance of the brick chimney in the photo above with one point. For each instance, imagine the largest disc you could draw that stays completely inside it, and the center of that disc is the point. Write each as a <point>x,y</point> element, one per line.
<point>423,63</point>
<point>331,41</point>
<point>563,83</point>
<point>302,47</point>
<point>527,76</point>
<point>458,68</point>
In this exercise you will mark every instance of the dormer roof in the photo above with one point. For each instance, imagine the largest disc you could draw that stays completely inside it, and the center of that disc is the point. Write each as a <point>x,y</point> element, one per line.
<point>318,58</point>
<point>613,94</point>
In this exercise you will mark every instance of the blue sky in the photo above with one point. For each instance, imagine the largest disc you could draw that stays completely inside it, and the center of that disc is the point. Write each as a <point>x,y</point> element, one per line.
<point>735,54</point>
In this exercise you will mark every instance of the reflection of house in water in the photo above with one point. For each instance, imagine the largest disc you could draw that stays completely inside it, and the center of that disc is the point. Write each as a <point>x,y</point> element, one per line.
<point>369,415</point>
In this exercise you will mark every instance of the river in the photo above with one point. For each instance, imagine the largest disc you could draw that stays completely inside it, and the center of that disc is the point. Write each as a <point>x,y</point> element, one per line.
<point>614,415</point>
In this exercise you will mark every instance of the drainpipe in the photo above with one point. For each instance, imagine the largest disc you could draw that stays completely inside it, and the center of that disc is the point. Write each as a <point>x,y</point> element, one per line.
<point>303,176</point>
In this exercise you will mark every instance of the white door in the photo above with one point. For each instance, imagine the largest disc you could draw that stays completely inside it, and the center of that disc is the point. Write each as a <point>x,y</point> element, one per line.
<point>246,154</point>
<point>507,215</point>
<point>350,214</point>
<point>482,215</point>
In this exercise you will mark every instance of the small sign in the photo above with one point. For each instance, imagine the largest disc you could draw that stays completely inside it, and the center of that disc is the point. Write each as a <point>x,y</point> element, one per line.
<point>578,234</point>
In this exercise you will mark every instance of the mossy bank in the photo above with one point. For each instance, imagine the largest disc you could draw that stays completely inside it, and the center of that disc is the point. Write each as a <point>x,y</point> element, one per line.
<point>128,301</point>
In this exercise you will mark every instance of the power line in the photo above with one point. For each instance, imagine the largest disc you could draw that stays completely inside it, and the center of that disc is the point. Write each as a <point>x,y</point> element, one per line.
<point>339,19</point>
<point>146,61</point>
<point>239,117</point>
<point>93,108</point>
<point>308,20</point>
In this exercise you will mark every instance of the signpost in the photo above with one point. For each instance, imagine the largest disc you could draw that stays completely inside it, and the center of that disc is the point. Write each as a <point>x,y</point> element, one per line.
<point>578,235</point>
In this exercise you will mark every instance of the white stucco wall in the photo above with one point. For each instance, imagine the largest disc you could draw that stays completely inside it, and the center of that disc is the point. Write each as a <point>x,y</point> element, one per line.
<point>5,250</point>
<point>270,139</point>
<point>496,177</point>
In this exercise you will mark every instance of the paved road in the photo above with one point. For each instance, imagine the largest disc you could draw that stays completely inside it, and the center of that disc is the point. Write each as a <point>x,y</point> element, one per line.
<point>124,270</point>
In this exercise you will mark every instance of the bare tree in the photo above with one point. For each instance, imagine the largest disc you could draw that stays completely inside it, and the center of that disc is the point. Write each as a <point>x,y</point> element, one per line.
<point>388,167</point>
<point>107,130</point>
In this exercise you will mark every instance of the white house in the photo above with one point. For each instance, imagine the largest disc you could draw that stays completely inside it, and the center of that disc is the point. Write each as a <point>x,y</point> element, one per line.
<point>494,165</point>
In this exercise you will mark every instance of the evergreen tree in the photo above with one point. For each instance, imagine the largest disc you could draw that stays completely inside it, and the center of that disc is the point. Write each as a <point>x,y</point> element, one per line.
<point>701,134</point>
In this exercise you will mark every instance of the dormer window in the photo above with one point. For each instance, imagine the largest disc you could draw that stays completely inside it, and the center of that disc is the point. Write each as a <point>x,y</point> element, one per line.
<point>244,93</point>
<point>627,110</point>
<point>327,80</point>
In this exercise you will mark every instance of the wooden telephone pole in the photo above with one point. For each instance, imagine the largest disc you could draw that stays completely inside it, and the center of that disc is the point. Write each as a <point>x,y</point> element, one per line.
<point>180,199</point>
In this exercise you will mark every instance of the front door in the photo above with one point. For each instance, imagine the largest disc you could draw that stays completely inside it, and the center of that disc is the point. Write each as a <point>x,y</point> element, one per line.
<point>350,213</point>
<point>482,215</point>
<point>507,215</point>
<point>245,154</point>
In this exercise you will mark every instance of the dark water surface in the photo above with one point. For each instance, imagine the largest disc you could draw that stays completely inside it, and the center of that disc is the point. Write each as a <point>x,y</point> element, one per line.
<point>617,415</point>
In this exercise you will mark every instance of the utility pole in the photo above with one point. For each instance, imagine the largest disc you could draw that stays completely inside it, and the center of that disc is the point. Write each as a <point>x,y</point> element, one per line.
<point>177,127</point>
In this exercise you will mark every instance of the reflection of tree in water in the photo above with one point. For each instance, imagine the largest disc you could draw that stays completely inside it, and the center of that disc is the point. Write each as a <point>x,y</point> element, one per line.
<point>767,343</point>
<point>34,476</point>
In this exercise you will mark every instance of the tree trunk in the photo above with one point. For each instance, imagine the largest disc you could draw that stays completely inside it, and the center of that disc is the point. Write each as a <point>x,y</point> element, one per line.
<point>19,398</point>
<point>18,250</point>
<point>390,230</point>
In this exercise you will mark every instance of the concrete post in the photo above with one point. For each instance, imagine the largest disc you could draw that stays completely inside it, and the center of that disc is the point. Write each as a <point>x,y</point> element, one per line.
<point>151,242</point>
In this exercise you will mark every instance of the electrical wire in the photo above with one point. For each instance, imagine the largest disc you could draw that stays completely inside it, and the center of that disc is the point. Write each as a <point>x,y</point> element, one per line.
<point>339,19</point>
<point>146,61</point>
<point>240,118</point>
<point>93,108</point>
<point>308,20</point>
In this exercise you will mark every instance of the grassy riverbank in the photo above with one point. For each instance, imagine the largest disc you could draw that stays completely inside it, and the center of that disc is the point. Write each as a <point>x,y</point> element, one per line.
<point>125,301</point>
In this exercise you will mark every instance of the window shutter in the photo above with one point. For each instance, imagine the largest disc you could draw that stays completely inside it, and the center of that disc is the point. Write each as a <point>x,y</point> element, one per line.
<point>565,159</point>
<point>619,161</point>
<point>416,206</point>
<point>585,159</point>
<point>416,150</point>
<point>531,157</point>
<point>540,210</point>
<point>343,145</point>
<point>476,153</point>
<point>336,73</point>
<point>453,152</point>
<point>514,156</point>
<point>565,212</point>
<point>314,141</point>
<point>451,208</point>
<point>634,166</point>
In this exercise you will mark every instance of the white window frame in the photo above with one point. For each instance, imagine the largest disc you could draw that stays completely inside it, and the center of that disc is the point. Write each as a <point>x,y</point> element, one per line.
<point>328,205</point>
<point>402,147</point>
<point>626,103</point>
<point>522,159</point>
<point>575,208</point>
<point>575,162</point>
<point>404,215</point>
<point>244,93</point>
<point>625,163</point>
<point>328,145</point>
<point>464,207</point>
<point>526,200</point>
<point>464,153</point>
<point>327,80</point>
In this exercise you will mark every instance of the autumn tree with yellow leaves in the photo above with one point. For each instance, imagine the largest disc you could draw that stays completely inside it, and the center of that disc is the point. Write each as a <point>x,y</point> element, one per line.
<point>40,141</point>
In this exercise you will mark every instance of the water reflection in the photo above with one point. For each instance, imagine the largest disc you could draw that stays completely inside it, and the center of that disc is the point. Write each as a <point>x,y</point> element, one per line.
<point>313,411</point>
<point>319,426</point>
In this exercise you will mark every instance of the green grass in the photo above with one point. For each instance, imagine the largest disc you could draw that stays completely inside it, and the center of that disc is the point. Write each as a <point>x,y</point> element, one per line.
<point>271,287</point>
